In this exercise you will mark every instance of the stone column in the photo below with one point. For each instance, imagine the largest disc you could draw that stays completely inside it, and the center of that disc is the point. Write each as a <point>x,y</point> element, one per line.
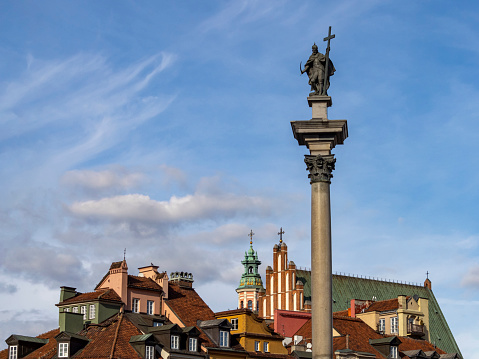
<point>320,136</point>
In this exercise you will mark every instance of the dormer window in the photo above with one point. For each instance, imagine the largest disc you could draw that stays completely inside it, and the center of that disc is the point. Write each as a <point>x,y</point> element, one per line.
<point>175,342</point>
<point>63,350</point>
<point>13,352</point>
<point>393,352</point>
<point>149,352</point>
<point>193,344</point>
<point>224,338</point>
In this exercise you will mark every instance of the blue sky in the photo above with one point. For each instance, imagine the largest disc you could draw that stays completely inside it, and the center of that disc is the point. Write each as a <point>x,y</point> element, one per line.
<point>164,128</point>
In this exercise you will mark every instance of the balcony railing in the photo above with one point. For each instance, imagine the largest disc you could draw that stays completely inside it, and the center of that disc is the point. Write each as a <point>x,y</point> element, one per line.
<point>415,329</point>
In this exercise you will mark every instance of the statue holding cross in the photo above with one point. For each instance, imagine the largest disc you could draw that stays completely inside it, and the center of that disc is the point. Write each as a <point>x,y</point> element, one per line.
<point>319,68</point>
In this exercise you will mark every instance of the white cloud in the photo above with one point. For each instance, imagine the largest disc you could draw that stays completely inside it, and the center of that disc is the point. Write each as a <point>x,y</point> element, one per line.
<point>98,180</point>
<point>471,279</point>
<point>138,207</point>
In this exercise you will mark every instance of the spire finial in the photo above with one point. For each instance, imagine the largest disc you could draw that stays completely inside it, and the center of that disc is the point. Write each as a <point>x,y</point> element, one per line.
<point>280,233</point>
<point>250,235</point>
<point>427,275</point>
<point>124,254</point>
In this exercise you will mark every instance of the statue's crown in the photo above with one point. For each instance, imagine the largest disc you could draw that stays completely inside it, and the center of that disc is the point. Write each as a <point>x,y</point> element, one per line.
<point>315,47</point>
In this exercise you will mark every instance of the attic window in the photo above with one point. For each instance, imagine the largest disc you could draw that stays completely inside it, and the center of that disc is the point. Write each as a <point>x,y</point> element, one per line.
<point>13,352</point>
<point>224,338</point>
<point>234,323</point>
<point>192,344</point>
<point>63,350</point>
<point>393,352</point>
<point>175,342</point>
<point>149,352</point>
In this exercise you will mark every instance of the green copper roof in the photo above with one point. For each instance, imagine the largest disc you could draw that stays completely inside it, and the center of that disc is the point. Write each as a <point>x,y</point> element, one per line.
<point>251,277</point>
<point>346,288</point>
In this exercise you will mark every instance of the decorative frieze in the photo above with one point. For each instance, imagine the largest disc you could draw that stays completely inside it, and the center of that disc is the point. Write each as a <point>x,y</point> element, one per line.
<point>320,167</point>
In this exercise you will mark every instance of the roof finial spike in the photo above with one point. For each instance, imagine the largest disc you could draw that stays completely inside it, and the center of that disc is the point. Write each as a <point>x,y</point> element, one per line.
<point>280,233</point>
<point>251,234</point>
<point>427,275</point>
<point>124,254</point>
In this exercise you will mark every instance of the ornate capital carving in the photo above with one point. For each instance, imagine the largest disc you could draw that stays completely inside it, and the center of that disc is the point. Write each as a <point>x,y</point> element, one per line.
<point>320,167</point>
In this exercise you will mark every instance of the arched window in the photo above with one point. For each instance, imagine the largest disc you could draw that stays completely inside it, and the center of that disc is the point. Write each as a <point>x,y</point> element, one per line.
<point>250,304</point>
<point>242,305</point>
<point>250,270</point>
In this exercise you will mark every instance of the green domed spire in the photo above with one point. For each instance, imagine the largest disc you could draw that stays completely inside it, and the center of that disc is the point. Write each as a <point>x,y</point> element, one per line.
<point>251,277</point>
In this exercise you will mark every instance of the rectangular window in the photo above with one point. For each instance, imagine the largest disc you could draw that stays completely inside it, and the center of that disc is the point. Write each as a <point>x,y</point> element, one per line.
<point>256,346</point>
<point>192,344</point>
<point>382,325</point>
<point>75,310</point>
<point>157,324</point>
<point>175,342</point>
<point>135,307</point>
<point>149,307</point>
<point>149,352</point>
<point>224,338</point>
<point>13,352</point>
<point>92,311</point>
<point>83,311</point>
<point>266,347</point>
<point>66,309</point>
<point>394,324</point>
<point>393,352</point>
<point>234,323</point>
<point>63,350</point>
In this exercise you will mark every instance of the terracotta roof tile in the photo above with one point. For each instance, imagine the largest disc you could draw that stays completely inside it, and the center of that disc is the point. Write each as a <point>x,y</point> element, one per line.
<point>414,344</point>
<point>105,294</point>
<point>103,335</point>
<point>190,308</point>
<point>383,305</point>
<point>48,350</point>
<point>143,283</point>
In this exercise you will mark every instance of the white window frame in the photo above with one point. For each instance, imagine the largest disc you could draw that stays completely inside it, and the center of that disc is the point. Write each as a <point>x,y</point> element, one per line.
<point>92,311</point>
<point>175,342</point>
<point>382,325</point>
<point>256,345</point>
<point>75,310</point>
<point>13,352</point>
<point>135,305</point>
<point>150,307</point>
<point>63,350</point>
<point>234,323</point>
<point>394,325</point>
<point>393,352</point>
<point>266,347</point>
<point>150,352</point>
<point>83,311</point>
<point>224,338</point>
<point>193,344</point>
<point>67,309</point>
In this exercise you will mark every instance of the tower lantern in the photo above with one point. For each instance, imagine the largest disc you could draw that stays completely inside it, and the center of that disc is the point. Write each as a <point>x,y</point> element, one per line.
<point>251,284</point>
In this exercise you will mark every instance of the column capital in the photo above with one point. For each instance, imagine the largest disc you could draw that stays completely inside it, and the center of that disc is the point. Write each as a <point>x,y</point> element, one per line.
<point>320,167</point>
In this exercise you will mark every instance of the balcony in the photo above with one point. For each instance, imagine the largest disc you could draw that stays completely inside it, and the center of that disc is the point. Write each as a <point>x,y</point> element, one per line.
<point>415,330</point>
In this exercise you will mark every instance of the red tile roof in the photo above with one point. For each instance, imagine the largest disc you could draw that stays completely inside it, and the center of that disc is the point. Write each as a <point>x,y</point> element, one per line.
<point>102,337</point>
<point>102,294</point>
<point>143,283</point>
<point>189,307</point>
<point>383,305</point>
<point>359,334</point>
<point>48,350</point>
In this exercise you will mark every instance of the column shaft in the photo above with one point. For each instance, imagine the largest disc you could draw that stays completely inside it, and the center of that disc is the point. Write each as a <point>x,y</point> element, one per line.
<point>321,271</point>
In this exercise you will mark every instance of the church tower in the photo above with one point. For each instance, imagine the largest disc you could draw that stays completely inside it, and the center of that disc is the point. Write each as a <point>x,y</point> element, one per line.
<point>251,285</point>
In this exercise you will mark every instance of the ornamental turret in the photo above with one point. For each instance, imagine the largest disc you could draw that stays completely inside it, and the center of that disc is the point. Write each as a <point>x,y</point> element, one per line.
<point>251,284</point>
